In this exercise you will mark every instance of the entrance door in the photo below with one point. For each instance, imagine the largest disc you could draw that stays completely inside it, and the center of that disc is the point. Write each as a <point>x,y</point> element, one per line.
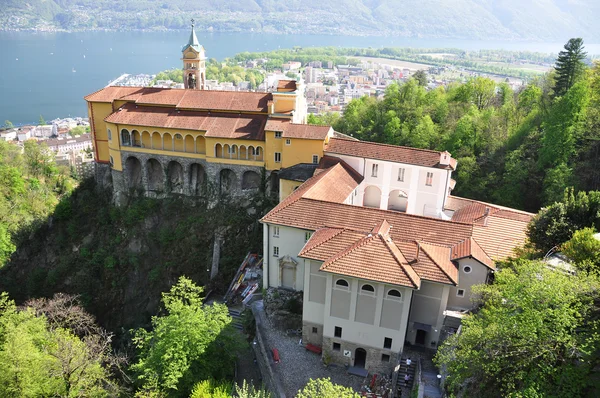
<point>360,358</point>
<point>287,277</point>
<point>420,339</point>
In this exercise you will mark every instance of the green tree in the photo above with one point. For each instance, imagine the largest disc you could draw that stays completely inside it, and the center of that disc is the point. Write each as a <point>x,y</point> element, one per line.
<point>324,388</point>
<point>211,389</point>
<point>584,249</point>
<point>77,131</point>
<point>190,342</point>
<point>40,357</point>
<point>555,224</point>
<point>8,124</point>
<point>569,66</point>
<point>247,390</point>
<point>421,77</point>
<point>536,335</point>
<point>42,121</point>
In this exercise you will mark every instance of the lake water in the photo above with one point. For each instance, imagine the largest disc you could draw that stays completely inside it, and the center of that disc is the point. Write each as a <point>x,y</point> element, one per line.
<point>48,74</point>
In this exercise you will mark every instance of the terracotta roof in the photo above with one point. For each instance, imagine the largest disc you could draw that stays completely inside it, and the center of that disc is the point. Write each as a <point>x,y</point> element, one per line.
<point>305,213</point>
<point>501,235</point>
<point>440,255</point>
<point>392,153</point>
<point>474,211</point>
<point>186,99</point>
<point>108,94</point>
<point>286,85</point>
<point>294,130</point>
<point>222,125</point>
<point>371,256</point>
<point>470,248</point>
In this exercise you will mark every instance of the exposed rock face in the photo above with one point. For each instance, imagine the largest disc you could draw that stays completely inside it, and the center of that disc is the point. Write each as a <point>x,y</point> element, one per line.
<point>284,308</point>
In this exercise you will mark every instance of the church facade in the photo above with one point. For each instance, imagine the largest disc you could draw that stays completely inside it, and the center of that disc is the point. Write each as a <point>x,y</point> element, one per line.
<point>163,141</point>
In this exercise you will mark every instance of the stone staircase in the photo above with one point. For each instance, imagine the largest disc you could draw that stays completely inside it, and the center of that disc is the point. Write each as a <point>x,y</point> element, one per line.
<point>406,370</point>
<point>236,318</point>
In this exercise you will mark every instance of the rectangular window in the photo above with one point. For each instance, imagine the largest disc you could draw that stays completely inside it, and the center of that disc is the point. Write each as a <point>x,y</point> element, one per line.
<point>337,346</point>
<point>112,161</point>
<point>429,180</point>
<point>315,159</point>
<point>314,330</point>
<point>275,231</point>
<point>288,142</point>
<point>374,170</point>
<point>387,343</point>
<point>109,135</point>
<point>460,292</point>
<point>307,236</point>
<point>278,134</point>
<point>338,332</point>
<point>385,358</point>
<point>401,174</point>
<point>275,251</point>
<point>277,157</point>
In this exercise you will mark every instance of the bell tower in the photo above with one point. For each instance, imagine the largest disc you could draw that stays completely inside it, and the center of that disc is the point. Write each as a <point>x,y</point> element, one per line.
<point>194,63</point>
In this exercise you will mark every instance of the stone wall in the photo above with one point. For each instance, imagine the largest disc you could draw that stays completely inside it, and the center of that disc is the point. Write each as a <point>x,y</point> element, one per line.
<point>373,363</point>
<point>308,337</point>
<point>262,352</point>
<point>163,175</point>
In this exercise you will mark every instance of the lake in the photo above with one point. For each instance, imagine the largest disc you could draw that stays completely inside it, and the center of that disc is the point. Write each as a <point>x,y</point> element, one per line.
<point>49,73</point>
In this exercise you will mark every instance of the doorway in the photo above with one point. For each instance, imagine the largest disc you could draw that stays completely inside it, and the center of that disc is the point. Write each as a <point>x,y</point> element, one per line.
<point>360,358</point>
<point>420,339</point>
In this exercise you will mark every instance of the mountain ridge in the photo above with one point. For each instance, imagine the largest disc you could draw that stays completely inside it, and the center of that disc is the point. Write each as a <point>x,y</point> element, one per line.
<point>548,20</point>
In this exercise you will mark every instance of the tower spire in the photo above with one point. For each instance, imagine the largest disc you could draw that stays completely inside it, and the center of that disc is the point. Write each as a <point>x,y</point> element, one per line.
<point>194,63</point>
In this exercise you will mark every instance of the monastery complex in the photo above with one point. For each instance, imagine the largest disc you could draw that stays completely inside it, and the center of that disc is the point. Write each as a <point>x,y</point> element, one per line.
<point>385,255</point>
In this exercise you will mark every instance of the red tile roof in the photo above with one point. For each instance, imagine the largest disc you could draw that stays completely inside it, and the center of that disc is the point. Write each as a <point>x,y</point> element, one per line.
<point>222,125</point>
<point>371,256</point>
<point>392,153</point>
<point>294,130</point>
<point>186,99</point>
<point>440,255</point>
<point>286,85</point>
<point>470,248</point>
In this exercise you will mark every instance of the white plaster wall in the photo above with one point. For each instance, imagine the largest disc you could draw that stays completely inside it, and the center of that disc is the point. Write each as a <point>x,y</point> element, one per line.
<point>290,242</point>
<point>477,276</point>
<point>428,306</point>
<point>422,199</point>
<point>311,311</point>
<point>361,333</point>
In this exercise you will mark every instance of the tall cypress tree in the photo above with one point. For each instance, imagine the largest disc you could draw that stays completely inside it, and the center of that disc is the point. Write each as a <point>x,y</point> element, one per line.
<point>569,66</point>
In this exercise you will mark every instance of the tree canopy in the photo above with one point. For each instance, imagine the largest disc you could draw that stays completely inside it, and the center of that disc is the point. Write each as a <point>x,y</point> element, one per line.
<point>569,66</point>
<point>535,335</point>
<point>324,388</point>
<point>190,342</point>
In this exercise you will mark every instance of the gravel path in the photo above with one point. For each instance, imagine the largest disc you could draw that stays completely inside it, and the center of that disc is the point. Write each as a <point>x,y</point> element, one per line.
<point>297,365</point>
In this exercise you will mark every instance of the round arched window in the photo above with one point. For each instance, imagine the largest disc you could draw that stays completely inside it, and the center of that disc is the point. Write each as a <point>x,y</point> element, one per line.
<point>394,293</point>
<point>178,136</point>
<point>467,269</point>
<point>367,288</point>
<point>341,283</point>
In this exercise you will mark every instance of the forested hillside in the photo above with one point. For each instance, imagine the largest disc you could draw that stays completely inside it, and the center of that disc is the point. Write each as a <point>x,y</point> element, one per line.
<point>519,149</point>
<point>550,20</point>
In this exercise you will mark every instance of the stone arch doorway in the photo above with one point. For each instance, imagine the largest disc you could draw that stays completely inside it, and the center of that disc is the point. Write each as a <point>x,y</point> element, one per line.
<point>398,200</point>
<point>133,173</point>
<point>175,177</point>
<point>360,358</point>
<point>226,180</point>
<point>250,180</point>
<point>372,197</point>
<point>197,177</point>
<point>156,179</point>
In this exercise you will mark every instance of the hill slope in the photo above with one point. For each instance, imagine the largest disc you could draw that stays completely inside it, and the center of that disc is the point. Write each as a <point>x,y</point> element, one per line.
<point>551,20</point>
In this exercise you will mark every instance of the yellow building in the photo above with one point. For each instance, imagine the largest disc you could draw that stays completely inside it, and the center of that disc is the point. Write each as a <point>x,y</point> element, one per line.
<point>164,141</point>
